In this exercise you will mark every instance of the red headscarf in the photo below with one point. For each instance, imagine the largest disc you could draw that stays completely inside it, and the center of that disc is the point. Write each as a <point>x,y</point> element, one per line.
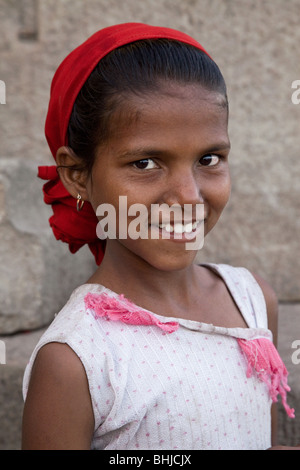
<point>69,225</point>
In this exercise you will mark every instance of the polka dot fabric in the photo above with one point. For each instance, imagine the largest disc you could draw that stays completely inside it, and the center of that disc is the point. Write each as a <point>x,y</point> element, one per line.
<point>185,389</point>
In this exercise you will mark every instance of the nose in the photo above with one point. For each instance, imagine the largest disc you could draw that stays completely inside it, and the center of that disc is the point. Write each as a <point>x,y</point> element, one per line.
<point>183,187</point>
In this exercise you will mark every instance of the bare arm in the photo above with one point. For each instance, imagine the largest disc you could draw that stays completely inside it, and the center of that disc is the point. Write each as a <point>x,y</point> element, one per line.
<point>58,412</point>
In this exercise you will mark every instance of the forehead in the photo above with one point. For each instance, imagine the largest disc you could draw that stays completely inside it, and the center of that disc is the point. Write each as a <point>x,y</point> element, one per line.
<point>172,110</point>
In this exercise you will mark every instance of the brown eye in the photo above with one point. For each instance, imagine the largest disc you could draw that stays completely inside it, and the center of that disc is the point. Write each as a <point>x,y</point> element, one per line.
<point>209,160</point>
<point>145,164</point>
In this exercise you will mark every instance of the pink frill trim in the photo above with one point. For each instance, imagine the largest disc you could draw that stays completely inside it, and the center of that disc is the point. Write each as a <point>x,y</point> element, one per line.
<point>121,309</point>
<point>263,358</point>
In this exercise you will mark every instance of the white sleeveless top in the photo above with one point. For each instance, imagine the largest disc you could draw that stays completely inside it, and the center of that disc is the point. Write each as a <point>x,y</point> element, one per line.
<point>185,389</point>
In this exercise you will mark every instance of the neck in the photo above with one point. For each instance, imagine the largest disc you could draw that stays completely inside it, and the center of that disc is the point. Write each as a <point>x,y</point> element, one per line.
<point>126,273</point>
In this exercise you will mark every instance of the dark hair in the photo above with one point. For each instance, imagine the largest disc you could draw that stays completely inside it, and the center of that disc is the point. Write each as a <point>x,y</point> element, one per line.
<point>135,68</point>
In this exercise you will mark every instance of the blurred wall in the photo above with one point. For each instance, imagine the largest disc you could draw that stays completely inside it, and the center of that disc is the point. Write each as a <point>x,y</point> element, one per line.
<point>256,44</point>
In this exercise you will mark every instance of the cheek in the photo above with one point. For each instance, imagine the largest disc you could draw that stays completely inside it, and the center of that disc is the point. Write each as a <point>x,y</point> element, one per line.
<point>226,190</point>
<point>219,194</point>
<point>101,192</point>
<point>216,204</point>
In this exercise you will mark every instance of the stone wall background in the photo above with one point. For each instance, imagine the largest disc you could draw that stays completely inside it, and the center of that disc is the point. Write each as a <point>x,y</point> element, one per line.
<point>257,46</point>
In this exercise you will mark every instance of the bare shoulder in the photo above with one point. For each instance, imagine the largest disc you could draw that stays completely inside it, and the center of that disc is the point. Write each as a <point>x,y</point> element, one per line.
<point>271,303</point>
<point>58,411</point>
<point>59,358</point>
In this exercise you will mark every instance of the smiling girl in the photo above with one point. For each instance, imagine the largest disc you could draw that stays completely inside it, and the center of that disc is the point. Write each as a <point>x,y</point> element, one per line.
<point>153,351</point>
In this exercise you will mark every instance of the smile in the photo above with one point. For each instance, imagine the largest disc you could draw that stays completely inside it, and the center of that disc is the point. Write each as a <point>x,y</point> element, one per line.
<point>179,228</point>
<point>166,222</point>
<point>180,232</point>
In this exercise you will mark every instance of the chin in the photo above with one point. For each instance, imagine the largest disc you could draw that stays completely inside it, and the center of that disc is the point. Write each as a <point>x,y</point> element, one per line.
<point>170,262</point>
<point>160,255</point>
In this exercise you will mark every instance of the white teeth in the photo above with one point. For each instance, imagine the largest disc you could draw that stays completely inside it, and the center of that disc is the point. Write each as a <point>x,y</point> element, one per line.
<point>169,228</point>
<point>180,228</point>
<point>188,228</point>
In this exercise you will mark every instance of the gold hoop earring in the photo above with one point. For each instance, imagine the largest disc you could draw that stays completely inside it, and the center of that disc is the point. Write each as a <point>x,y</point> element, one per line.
<point>79,203</point>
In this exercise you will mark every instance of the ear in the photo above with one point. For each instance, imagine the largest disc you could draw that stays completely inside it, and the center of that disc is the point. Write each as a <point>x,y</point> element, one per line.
<point>72,174</point>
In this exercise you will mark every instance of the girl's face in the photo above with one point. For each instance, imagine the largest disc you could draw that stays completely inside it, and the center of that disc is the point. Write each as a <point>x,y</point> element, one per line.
<point>166,147</point>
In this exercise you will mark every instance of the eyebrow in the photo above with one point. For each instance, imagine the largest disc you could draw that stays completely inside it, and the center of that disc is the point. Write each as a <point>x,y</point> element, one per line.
<point>141,152</point>
<point>217,147</point>
<point>153,152</point>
